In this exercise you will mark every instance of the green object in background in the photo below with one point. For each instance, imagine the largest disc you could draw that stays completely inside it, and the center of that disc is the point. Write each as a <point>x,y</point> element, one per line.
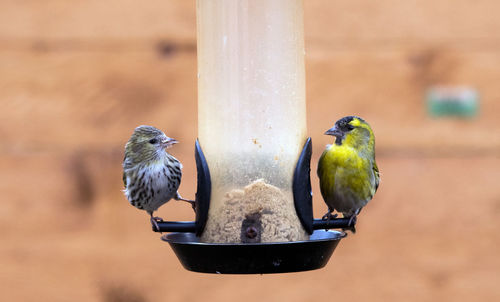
<point>452,101</point>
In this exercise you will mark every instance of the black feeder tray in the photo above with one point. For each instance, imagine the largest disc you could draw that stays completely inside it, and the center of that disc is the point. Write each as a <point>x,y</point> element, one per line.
<point>255,258</point>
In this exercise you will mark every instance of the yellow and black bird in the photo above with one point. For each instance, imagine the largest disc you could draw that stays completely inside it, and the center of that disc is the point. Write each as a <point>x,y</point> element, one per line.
<point>347,171</point>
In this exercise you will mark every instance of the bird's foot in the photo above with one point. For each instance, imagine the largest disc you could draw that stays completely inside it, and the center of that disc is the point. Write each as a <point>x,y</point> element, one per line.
<point>192,202</point>
<point>327,217</point>
<point>351,223</point>
<point>154,222</point>
<point>352,219</point>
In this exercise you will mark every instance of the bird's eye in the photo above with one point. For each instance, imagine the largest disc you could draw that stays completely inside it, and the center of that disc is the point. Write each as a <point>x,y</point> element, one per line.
<point>349,127</point>
<point>153,141</point>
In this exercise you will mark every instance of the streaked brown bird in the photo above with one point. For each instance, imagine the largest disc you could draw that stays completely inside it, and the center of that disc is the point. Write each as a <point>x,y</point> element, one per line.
<point>150,174</point>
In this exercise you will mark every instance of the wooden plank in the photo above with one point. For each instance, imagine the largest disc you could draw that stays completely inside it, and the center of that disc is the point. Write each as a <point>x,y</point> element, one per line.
<point>342,24</point>
<point>446,238</point>
<point>77,76</point>
<point>393,21</point>
<point>58,101</point>
<point>93,19</point>
<point>93,99</point>
<point>388,88</point>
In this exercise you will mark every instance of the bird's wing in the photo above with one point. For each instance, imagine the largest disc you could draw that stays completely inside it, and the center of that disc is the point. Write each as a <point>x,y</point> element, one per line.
<point>326,174</point>
<point>124,179</point>
<point>377,175</point>
<point>126,164</point>
<point>322,163</point>
<point>319,170</point>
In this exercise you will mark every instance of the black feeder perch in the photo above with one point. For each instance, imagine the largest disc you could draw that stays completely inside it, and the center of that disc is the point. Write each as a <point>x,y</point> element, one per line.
<point>252,126</point>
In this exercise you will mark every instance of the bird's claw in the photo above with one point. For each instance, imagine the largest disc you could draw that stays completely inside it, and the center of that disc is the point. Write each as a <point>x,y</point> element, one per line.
<point>352,219</point>
<point>192,202</point>
<point>329,216</point>
<point>154,222</point>
<point>351,224</point>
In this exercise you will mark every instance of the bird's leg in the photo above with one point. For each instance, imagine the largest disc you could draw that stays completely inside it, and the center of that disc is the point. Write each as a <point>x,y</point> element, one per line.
<point>155,220</point>
<point>352,218</point>
<point>329,216</point>
<point>192,202</point>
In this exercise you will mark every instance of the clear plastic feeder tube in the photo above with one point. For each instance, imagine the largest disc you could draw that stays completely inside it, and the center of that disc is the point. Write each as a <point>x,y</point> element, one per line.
<point>251,114</point>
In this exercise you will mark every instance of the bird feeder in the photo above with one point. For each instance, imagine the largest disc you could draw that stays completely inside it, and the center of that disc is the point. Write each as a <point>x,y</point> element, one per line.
<point>254,202</point>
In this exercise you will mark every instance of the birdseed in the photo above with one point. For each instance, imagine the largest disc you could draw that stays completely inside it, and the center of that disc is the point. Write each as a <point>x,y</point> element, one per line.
<point>277,215</point>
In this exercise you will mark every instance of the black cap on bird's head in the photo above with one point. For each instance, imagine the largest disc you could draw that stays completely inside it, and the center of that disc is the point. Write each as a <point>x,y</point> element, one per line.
<point>344,126</point>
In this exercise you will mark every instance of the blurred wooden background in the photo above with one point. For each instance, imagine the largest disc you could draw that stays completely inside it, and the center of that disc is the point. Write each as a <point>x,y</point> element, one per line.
<point>77,76</point>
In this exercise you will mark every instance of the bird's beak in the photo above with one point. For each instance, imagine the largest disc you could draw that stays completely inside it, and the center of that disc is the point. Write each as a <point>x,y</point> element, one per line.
<point>334,132</point>
<point>167,142</point>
